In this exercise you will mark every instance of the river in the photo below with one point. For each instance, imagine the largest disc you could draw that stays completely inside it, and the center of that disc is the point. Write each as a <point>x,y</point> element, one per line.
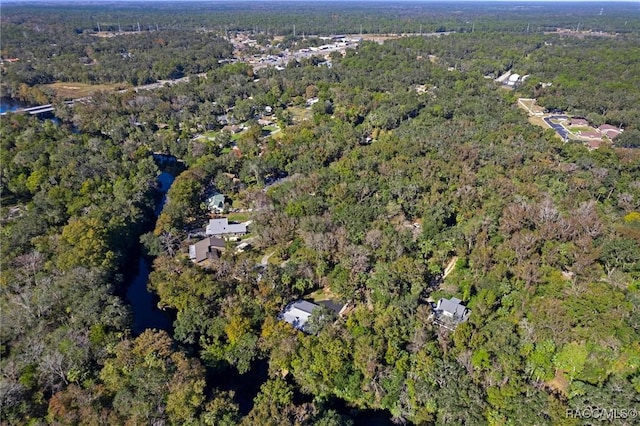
<point>8,105</point>
<point>144,303</point>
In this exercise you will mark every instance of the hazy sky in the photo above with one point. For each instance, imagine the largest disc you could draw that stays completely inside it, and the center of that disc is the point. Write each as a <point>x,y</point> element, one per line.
<point>316,1</point>
<point>602,2</point>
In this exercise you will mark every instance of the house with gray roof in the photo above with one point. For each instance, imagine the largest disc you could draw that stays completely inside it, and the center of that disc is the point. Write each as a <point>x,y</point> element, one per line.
<point>451,312</point>
<point>222,228</point>
<point>298,313</point>
<point>215,203</point>
<point>208,248</point>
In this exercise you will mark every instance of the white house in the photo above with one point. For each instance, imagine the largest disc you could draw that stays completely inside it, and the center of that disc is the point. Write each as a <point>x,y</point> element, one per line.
<point>513,79</point>
<point>222,227</point>
<point>298,313</point>
<point>451,312</point>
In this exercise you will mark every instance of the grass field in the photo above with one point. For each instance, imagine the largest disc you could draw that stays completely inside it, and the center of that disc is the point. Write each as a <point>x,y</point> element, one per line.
<point>324,293</point>
<point>80,90</point>
<point>538,121</point>
<point>239,217</point>
<point>299,113</point>
<point>530,105</point>
<point>209,134</point>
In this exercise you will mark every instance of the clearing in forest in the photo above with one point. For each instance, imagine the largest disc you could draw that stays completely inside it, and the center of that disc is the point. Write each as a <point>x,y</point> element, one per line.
<point>68,90</point>
<point>299,113</point>
<point>530,106</point>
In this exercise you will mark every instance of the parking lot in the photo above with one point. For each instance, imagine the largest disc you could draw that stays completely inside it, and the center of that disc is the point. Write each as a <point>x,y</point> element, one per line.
<point>559,128</point>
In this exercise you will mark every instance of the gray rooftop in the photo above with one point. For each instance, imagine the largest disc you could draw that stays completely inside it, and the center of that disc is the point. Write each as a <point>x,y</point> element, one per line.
<point>223,227</point>
<point>453,308</point>
<point>297,313</point>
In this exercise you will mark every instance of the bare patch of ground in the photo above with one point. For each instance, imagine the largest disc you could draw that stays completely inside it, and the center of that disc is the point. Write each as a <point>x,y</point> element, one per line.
<point>67,90</point>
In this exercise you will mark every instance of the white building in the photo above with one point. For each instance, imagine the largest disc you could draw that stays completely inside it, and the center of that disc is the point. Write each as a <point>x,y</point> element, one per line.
<point>298,313</point>
<point>222,228</point>
<point>513,79</point>
<point>451,312</point>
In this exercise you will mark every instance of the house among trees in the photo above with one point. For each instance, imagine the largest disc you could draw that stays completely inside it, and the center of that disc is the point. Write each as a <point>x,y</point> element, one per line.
<point>222,228</point>
<point>298,313</point>
<point>451,312</point>
<point>215,203</point>
<point>209,248</point>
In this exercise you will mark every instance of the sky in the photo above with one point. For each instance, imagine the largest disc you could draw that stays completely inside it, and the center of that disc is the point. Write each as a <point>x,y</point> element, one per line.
<point>604,2</point>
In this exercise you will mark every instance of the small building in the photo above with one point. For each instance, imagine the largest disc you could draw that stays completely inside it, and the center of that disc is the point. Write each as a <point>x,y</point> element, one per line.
<point>575,121</point>
<point>215,203</point>
<point>225,119</point>
<point>610,131</point>
<point>451,312</point>
<point>232,128</point>
<point>222,228</point>
<point>606,127</point>
<point>513,79</point>
<point>298,313</point>
<point>209,248</point>
<point>591,134</point>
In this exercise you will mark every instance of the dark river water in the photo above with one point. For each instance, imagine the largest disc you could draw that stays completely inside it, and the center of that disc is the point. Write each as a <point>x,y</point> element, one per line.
<point>8,105</point>
<point>143,303</point>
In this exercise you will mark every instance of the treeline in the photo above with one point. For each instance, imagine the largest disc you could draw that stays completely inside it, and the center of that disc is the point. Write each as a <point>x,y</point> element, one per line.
<point>133,59</point>
<point>324,18</point>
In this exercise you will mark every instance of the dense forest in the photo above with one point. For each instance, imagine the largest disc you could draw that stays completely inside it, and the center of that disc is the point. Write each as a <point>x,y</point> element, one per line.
<point>384,179</point>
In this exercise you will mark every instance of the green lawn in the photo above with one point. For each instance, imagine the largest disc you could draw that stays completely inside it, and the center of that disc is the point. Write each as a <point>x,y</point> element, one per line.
<point>322,294</point>
<point>209,134</point>
<point>299,113</point>
<point>239,217</point>
<point>581,129</point>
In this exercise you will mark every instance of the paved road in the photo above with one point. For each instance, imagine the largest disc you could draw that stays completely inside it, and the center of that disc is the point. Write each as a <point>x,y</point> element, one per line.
<point>559,128</point>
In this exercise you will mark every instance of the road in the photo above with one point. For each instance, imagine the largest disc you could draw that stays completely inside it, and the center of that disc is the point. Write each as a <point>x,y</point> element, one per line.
<point>265,259</point>
<point>559,128</point>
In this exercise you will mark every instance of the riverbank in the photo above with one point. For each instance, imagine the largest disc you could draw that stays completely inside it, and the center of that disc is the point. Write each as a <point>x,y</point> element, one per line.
<point>144,304</point>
